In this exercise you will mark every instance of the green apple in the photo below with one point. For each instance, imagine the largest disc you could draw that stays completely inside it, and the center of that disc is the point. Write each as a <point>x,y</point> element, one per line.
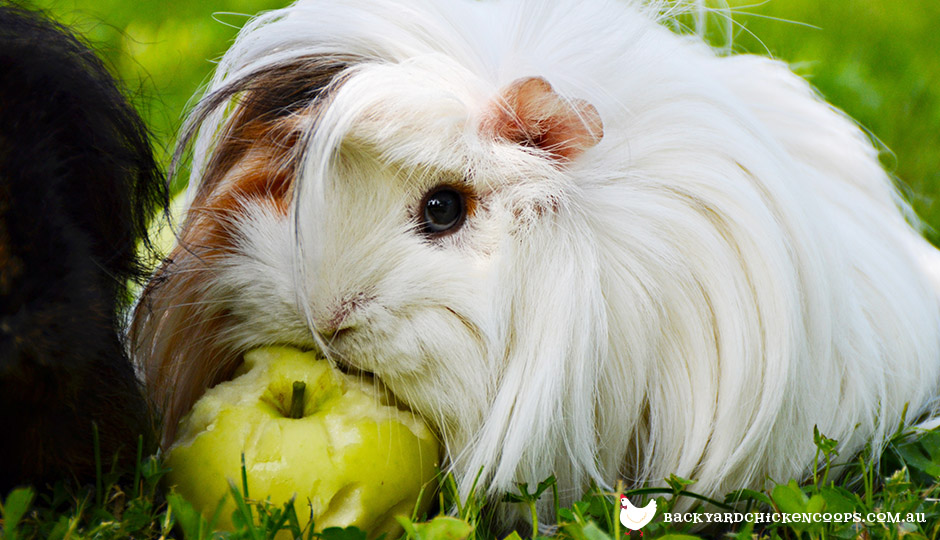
<point>351,458</point>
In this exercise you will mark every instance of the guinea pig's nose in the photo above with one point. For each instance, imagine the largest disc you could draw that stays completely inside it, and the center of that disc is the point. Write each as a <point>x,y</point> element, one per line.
<point>329,334</point>
<point>337,325</point>
<point>341,318</point>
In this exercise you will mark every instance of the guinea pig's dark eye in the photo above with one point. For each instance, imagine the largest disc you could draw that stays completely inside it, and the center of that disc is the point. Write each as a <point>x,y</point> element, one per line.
<point>443,210</point>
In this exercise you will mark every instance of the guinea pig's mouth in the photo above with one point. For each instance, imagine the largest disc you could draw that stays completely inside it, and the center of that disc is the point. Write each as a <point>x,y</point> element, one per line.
<point>350,369</point>
<point>337,359</point>
<point>390,398</point>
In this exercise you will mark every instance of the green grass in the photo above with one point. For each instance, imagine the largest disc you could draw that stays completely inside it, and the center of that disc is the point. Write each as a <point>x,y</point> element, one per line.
<point>906,481</point>
<point>879,62</point>
<point>164,51</point>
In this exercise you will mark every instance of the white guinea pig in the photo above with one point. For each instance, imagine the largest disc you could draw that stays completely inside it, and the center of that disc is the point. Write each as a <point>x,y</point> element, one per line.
<point>574,241</point>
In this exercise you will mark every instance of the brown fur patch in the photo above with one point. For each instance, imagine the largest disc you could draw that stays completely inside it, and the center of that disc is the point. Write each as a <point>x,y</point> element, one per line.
<point>529,112</point>
<point>180,331</point>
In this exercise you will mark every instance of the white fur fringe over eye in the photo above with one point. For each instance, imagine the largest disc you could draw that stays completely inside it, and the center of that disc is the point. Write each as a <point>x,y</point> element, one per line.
<point>573,240</point>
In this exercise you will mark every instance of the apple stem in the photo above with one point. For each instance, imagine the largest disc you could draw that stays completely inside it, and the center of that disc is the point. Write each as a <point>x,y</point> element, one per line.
<point>297,400</point>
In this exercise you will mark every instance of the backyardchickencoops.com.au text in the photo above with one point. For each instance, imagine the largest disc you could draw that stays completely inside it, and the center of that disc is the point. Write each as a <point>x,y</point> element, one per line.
<point>778,517</point>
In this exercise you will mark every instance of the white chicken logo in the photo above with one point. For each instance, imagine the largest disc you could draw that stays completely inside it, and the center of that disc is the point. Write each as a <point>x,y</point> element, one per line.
<point>635,518</point>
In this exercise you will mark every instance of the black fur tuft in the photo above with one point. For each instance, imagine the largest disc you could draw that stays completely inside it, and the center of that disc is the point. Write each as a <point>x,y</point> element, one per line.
<point>78,186</point>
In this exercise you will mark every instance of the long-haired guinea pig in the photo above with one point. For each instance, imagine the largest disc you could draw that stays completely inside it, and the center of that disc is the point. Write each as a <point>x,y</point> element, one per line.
<point>573,240</point>
<point>78,183</point>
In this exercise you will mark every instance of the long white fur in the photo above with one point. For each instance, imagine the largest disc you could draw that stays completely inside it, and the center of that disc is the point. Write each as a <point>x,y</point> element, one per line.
<point>727,268</point>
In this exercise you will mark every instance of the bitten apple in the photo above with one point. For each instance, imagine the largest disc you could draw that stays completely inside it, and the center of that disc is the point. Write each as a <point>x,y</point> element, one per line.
<point>351,458</point>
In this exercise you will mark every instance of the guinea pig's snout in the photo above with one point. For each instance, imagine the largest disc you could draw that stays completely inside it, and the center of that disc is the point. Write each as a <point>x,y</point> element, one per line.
<point>336,325</point>
<point>341,316</point>
<point>331,332</point>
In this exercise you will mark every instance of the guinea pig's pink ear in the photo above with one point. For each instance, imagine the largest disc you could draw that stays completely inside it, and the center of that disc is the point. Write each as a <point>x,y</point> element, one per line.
<point>529,112</point>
